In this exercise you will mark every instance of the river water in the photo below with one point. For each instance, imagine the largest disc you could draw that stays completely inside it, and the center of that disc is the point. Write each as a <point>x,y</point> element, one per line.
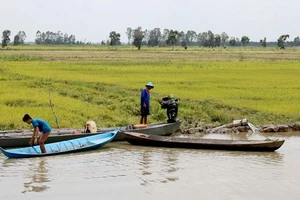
<point>123,171</point>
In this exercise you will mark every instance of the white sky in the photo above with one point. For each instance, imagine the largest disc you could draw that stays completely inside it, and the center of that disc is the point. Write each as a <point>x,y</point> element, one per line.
<point>93,20</point>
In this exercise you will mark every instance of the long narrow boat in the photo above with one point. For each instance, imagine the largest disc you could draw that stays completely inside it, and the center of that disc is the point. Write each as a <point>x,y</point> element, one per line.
<point>9,140</point>
<point>200,143</point>
<point>68,146</point>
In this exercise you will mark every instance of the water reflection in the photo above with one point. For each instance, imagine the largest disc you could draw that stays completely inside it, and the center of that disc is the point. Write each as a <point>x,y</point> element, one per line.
<point>37,174</point>
<point>145,165</point>
<point>157,166</point>
<point>10,162</point>
<point>268,158</point>
<point>171,160</point>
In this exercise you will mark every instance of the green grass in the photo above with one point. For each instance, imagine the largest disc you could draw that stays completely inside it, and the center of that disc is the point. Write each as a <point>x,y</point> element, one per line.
<point>213,86</point>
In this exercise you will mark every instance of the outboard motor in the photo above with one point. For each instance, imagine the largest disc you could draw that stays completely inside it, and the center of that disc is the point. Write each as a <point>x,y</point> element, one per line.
<point>171,104</point>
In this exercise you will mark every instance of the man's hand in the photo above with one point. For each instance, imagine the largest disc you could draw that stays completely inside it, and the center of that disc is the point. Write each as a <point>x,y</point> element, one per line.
<point>35,140</point>
<point>30,142</point>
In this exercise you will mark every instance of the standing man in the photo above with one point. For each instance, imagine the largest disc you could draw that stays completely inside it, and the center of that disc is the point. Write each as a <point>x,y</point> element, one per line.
<point>39,125</point>
<point>145,102</point>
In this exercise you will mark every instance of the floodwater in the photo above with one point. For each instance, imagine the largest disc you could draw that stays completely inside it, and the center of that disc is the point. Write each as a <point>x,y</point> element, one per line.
<point>123,171</point>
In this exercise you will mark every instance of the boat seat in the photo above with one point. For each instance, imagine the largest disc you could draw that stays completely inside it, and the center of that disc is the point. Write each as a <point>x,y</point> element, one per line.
<point>95,141</point>
<point>139,126</point>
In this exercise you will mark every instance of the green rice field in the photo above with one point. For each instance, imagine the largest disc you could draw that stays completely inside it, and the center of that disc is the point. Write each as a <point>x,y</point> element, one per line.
<point>214,86</point>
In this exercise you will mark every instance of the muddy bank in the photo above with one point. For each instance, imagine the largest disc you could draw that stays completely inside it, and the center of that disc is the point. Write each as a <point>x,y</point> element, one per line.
<point>239,128</point>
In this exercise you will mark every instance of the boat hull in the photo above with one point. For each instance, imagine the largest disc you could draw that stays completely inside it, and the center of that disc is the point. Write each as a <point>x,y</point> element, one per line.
<point>161,129</point>
<point>68,146</point>
<point>197,143</point>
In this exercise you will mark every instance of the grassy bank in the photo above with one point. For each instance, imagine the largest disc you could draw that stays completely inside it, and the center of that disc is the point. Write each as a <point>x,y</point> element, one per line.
<point>213,85</point>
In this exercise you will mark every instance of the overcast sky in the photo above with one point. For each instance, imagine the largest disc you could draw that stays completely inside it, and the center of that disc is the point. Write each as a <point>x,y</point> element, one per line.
<point>93,20</point>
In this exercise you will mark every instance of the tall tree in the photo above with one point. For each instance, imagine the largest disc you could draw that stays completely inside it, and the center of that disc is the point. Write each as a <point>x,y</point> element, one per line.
<point>201,39</point>
<point>5,38</point>
<point>238,42</point>
<point>38,37</point>
<point>190,37</point>
<point>296,41</point>
<point>173,37</point>
<point>154,37</point>
<point>146,38</point>
<point>206,39</point>
<point>165,37</point>
<point>16,40</point>
<point>129,34</point>
<point>138,36</point>
<point>217,40</point>
<point>232,41</point>
<point>281,41</point>
<point>182,39</point>
<point>59,38</point>
<point>20,38</point>
<point>245,40</point>
<point>72,39</point>
<point>66,38</point>
<point>210,39</point>
<point>263,42</point>
<point>114,38</point>
<point>224,38</point>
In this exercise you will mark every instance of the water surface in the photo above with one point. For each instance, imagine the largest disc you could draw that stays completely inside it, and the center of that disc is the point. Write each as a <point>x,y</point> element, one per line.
<point>123,171</point>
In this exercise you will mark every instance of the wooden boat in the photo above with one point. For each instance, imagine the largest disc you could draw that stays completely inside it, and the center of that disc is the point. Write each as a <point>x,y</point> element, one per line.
<point>200,143</point>
<point>68,146</point>
<point>9,140</point>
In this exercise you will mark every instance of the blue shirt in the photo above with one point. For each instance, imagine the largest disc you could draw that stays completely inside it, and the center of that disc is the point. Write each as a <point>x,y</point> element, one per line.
<point>44,127</point>
<point>145,97</point>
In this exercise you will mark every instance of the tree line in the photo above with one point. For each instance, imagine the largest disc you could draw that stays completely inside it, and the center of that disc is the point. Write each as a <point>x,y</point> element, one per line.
<point>152,38</point>
<point>54,38</point>
<point>41,38</point>
<point>156,37</point>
